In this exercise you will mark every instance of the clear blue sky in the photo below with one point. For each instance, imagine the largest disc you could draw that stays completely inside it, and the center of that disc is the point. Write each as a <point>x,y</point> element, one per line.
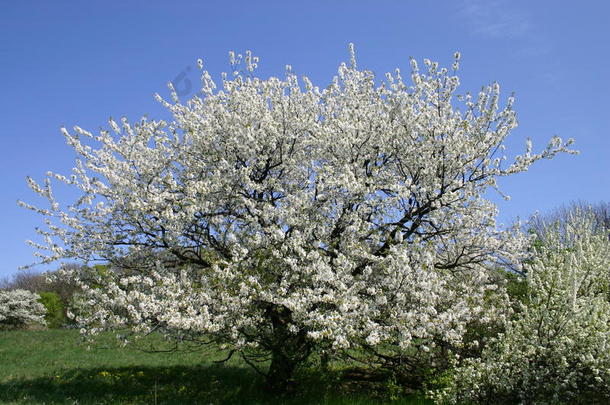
<point>78,63</point>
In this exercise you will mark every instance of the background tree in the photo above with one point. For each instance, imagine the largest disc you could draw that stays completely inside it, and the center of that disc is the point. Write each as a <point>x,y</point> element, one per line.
<point>275,218</point>
<point>600,214</point>
<point>24,280</point>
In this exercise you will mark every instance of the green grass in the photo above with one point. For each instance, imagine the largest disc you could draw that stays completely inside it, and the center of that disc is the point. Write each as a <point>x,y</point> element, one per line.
<point>53,367</point>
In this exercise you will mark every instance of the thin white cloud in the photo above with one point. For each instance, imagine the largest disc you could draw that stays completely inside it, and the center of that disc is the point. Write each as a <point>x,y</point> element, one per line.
<point>494,18</point>
<point>504,20</point>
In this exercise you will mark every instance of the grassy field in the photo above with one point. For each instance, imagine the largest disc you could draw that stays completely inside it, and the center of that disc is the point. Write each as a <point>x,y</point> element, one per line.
<point>53,367</point>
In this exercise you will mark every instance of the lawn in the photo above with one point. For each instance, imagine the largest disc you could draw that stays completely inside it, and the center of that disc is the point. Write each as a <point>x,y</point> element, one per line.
<point>55,367</point>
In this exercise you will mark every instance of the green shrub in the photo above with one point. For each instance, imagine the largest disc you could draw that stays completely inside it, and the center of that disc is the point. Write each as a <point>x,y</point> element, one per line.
<point>54,309</point>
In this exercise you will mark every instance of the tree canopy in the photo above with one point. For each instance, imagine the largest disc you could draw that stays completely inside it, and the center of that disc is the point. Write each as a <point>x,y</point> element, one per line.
<point>279,219</point>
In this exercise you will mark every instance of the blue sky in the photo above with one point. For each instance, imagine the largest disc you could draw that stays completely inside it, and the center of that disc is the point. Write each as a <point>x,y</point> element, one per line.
<point>78,63</point>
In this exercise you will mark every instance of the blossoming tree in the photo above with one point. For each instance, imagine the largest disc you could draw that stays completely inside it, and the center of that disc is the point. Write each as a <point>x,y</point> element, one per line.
<point>555,350</point>
<point>20,309</point>
<point>277,218</point>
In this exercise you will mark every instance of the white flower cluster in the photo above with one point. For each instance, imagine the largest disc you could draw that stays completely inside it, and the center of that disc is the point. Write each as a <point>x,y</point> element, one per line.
<point>558,347</point>
<point>20,308</point>
<point>350,214</point>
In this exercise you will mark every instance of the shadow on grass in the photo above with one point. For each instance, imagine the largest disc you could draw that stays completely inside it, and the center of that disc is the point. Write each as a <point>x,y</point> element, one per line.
<point>173,385</point>
<point>145,385</point>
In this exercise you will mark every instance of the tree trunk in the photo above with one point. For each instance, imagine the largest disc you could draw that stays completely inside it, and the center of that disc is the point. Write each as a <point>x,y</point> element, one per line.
<point>288,350</point>
<point>281,373</point>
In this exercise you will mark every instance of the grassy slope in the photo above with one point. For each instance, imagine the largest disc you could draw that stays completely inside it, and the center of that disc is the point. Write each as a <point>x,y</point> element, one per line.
<point>52,367</point>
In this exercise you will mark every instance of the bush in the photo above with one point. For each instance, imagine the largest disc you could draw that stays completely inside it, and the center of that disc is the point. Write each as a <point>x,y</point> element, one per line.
<point>55,315</point>
<point>19,309</point>
<point>556,348</point>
